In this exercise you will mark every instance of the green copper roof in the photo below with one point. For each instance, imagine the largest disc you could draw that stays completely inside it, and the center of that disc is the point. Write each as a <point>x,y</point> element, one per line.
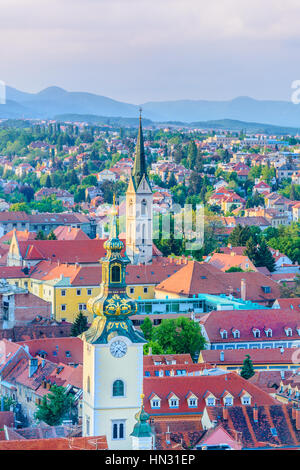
<point>139,167</point>
<point>142,428</point>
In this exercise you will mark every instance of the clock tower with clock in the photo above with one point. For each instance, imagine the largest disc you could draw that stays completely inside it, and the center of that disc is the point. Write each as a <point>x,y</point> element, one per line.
<point>112,353</point>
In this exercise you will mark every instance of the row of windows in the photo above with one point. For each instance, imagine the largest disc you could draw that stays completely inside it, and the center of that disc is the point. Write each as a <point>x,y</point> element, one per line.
<point>193,402</point>
<point>80,307</point>
<point>161,373</point>
<point>257,333</point>
<point>63,292</point>
<point>269,345</point>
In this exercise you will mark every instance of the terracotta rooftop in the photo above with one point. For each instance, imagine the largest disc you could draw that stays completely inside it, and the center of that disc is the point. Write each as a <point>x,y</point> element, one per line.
<point>201,387</point>
<point>247,320</point>
<point>195,278</point>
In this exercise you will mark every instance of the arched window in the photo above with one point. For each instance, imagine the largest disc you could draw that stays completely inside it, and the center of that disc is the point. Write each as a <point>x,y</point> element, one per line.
<point>116,273</point>
<point>88,384</point>
<point>130,207</point>
<point>144,207</point>
<point>143,234</point>
<point>118,388</point>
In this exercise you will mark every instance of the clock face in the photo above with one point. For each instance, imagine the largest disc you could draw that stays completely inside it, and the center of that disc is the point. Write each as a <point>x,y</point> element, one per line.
<point>118,348</point>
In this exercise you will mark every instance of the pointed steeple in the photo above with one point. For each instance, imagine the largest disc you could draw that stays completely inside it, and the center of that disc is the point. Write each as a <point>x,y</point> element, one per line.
<point>139,167</point>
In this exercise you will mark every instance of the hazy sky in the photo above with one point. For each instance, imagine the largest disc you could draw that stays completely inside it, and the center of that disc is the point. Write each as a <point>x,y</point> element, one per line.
<point>143,50</point>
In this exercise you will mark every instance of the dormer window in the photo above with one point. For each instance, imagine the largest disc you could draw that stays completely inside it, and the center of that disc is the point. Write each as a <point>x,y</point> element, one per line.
<point>192,402</point>
<point>211,401</point>
<point>246,400</point>
<point>155,403</point>
<point>256,333</point>
<point>288,331</point>
<point>174,403</point>
<point>266,289</point>
<point>268,332</point>
<point>298,330</point>
<point>228,401</point>
<point>223,334</point>
<point>236,333</point>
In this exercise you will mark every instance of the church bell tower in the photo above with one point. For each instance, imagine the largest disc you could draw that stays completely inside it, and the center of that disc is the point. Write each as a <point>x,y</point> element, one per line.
<point>139,202</point>
<point>112,353</point>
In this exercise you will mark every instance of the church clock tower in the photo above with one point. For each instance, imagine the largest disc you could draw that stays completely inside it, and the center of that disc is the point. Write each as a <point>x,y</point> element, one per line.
<point>112,354</point>
<point>139,202</point>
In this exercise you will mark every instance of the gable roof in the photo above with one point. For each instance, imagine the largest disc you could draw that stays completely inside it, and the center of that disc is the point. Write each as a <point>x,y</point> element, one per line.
<point>199,386</point>
<point>195,278</point>
<point>246,320</point>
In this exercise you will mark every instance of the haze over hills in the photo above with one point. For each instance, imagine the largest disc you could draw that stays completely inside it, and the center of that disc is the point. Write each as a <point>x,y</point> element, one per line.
<point>54,101</point>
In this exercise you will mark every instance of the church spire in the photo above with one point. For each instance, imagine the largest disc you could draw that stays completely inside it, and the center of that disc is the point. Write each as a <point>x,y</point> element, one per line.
<point>139,167</point>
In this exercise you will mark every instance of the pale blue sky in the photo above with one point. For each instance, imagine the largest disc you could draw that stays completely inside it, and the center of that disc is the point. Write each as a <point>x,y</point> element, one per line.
<point>144,50</point>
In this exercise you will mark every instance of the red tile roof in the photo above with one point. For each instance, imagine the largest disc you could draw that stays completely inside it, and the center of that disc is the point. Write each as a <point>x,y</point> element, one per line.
<point>63,443</point>
<point>195,278</point>
<point>70,233</point>
<point>275,427</point>
<point>200,386</point>
<point>7,419</point>
<point>246,320</point>
<point>258,356</point>
<point>72,345</point>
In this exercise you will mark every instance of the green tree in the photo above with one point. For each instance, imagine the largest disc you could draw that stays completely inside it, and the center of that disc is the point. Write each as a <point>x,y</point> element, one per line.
<point>251,250</point>
<point>51,236</point>
<point>192,154</point>
<point>40,235</point>
<point>152,347</point>
<point>247,369</point>
<point>55,406</point>
<point>240,235</point>
<point>80,325</point>
<point>147,328</point>
<point>179,336</point>
<point>264,257</point>
<point>234,269</point>
<point>48,183</point>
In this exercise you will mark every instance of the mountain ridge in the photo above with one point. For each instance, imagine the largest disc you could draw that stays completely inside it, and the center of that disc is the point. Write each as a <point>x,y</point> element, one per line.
<point>53,100</point>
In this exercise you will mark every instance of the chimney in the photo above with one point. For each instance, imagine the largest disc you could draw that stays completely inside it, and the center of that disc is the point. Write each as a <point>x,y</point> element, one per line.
<point>33,365</point>
<point>225,413</point>
<point>222,356</point>
<point>297,413</point>
<point>168,441</point>
<point>150,351</point>
<point>255,413</point>
<point>294,411</point>
<point>243,289</point>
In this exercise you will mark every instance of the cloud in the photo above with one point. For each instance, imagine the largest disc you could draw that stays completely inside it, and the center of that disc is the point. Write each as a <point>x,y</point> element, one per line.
<point>173,44</point>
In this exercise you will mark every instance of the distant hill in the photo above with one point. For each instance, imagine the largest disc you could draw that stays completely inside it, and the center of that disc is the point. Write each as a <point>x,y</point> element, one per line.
<point>256,127</point>
<point>54,101</point>
<point>101,120</point>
